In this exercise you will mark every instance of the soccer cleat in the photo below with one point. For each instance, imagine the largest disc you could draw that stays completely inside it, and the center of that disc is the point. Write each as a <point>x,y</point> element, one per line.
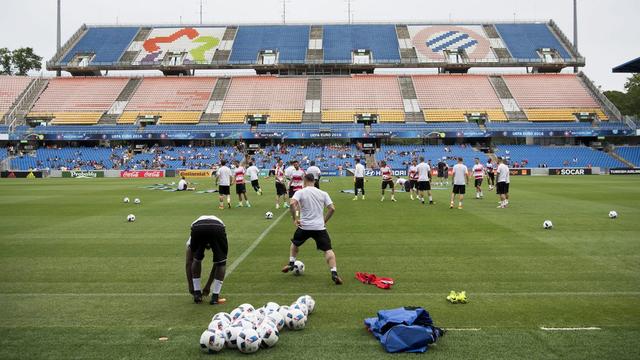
<point>382,199</point>
<point>500,207</point>
<point>411,196</point>
<point>355,198</point>
<point>239,206</point>
<point>452,298</point>
<point>431,202</point>
<point>451,206</point>
<point>286,206</point>
<point>394,199</point>
<point>459,207</point>
<point>215,299</point>
<point>248,205</point>
<point>336,278</point>
<point>462,297</point>
<point>229,205</point>
<point>221,207</point>
<point>197,297</point>
<point>287,268</point>
<point>277,206</point>
<point>362,197</point>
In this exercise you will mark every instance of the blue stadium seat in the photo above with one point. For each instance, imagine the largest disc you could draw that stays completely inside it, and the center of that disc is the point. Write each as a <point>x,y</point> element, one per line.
<point>340,40</point>
<point>108,43</point>
<point>291,41</point>
<point>523,40</point>
<point>630,153</point>
<point>557,156</point>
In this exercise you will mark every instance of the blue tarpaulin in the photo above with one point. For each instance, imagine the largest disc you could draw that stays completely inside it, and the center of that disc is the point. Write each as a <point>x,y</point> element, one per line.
<point>406,329</point>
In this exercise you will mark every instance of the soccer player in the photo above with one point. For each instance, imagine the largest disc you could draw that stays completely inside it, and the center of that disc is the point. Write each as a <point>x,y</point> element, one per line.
<point>207,232</point>
<point>223,180</point>
<point>281,184</point>
<point>478,175</point>
<point>441,168</point>
<point>358,179</point>
<point>424,180</point>
<point>502,187</point>
<point>254,176</point>
<point>387,180</point>
<point>241,188</point>
<point>297,179</point>
<point>460,180</point>
<point>413,178</point>
<point>287,175</point>
<point>307,210</point>
<point>183,185</point>
<point>491,177</point>
<point>315,171</point>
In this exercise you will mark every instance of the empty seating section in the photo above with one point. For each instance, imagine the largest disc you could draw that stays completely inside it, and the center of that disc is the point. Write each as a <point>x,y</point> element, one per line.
<point>279,97</point>
<point>343,97</point>
<point>107,43</point>
<point>629,153</point>
<point>427,127</point>
<point>174,100</point>
<point>77,100</point>
<point>290,41</point>
<point>524,40</point>
<point>538,126</point>
<point>10,88</point>
<point>340,40</point>
<point>552,97</point>
<point>450,97</point>
<point>555,157</point>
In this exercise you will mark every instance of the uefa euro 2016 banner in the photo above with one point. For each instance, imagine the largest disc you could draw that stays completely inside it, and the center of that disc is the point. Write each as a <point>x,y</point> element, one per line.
<point>142,173</point>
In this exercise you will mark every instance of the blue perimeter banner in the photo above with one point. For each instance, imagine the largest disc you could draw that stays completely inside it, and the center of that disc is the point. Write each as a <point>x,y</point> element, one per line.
<point>199,135</point>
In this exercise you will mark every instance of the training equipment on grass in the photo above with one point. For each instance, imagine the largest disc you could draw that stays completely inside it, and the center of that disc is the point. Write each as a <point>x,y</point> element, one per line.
<point>211,341</point>
<point>307,300</point>
<point>301,307</point>
<point>295,319</point>
<point>126,200</point>
<point>276,318</point>
<point>248,341</point>
<point>547,224</point>
<point>268,336</point>
<point>268,215</point>
<point>136,201</point>
<point>373,279</point>
<point>271,306</point>
<point>406,329</point>
<point>131,218</point>
<point>231,335</point>
<point>222,316</point>
<point>218,325</point>
<point>457,297</point>
<point>613,214</point>
<point>298,268</point>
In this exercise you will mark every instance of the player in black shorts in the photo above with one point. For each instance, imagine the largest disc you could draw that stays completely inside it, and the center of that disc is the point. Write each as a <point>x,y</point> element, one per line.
<point>207,232</point>
<point>491,176</point>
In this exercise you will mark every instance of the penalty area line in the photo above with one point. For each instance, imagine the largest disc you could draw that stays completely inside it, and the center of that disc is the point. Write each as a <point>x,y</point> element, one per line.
<point>588,328</point>
<point>234,265</point>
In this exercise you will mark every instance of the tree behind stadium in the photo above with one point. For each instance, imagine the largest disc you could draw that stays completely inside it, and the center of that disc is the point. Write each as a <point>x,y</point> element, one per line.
<point>19,61</point>
<point>628,103</point>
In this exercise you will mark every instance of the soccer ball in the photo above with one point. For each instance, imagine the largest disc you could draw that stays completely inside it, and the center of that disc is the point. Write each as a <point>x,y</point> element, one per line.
<point>212,341</point>
<point>246,307</point>
<point>547,224</point>
<point>307,300</point>
<point>126,200</point>
<point>276,318</point>
<point>218,325</point>
<point>283,310</point>
<point>613,214</point>
<point>136,201</point>
<point>269,336</point>
<point>295,319</point>
<point>248,341</point>
<point>231,335</point>
<point>301,307</point>
<point>131,218</point>
<point>298,268</point>
<point>222,316</point>
<point>268,215</point>
<point>271,306</point>
<point>236,313</point>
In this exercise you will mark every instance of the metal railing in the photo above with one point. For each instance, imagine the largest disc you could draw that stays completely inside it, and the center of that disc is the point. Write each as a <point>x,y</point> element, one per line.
<point>63,50</point>
<point>600,96</point>
<point>10,118</point>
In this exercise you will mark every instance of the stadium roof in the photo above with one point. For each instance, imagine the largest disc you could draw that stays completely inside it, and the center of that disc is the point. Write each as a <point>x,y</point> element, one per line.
<point>632,66</point>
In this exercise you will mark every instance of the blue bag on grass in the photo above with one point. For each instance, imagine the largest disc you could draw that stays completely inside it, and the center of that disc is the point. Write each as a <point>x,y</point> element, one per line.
<point>407,329</point>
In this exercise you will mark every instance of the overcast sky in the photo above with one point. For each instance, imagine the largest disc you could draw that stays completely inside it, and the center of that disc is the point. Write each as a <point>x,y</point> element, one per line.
<point>609,31</point>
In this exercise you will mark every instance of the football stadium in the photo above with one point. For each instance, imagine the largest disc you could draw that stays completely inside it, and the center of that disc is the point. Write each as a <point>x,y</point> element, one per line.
<point>319,188</point>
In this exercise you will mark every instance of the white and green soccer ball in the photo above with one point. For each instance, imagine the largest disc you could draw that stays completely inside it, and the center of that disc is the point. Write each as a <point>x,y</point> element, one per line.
<point>126,200</point>
<point>268,215</point>
<point>212,342</point>
<point>613,214</point>
<point>131,218</point>
<point>298,268</point>
<point>547,224</point>
<point>268,336</point>
<point>248,341</point>
<point>136,201</point>
<point>295,319</point>
<point>307,300</point>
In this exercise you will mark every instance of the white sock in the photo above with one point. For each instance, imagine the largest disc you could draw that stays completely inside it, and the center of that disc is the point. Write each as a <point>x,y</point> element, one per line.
<point>460,203</point>
<point>334,269</point>
<point>196,284</point>
<point>228,199</point>
<point>217,286</point>
<point>292,259</point>
<point>430,198</point>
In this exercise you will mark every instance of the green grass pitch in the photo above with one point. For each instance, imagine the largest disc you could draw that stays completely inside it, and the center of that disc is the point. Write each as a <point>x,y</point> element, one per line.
<point>79,282</point>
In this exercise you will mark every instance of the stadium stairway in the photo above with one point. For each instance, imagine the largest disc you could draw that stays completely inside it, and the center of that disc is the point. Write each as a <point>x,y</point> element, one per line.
<point>617,156</point>
<point>25,102</point>
<point>312,101</point>
<point>111,116</point>
<point>211,115</point>
<point>509,104</point>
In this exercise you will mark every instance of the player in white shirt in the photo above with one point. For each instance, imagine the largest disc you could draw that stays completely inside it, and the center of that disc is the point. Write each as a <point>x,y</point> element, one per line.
<point>387,180</point>
<point>307,211</point>
<point>424,180</point>
<point>413,179</point>
<point>491,176</point>
<point>478,175</point>
<point>358,179</point>
<point>224,176</point>
<point>315,171</point>
<point>183,185</point>
<point>404,184</point>
<point>502,187</point>
<point>287,174</point>
<point>254,176</point>
<point>241,188</point>
<point>281,184</point>
<point>460,181</point>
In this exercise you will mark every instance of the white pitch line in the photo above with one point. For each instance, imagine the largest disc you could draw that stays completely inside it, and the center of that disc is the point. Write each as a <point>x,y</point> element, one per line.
<point>589,328</point>
<point>463,329</point>
<point>254,244</point>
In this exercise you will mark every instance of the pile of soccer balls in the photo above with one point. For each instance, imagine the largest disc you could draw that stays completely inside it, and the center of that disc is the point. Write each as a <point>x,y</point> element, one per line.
<point>248,329</point>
